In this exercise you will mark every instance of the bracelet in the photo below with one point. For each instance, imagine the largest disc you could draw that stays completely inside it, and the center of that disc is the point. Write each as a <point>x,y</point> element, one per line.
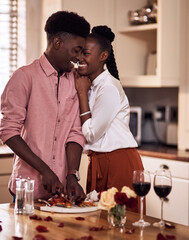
<point>85,113</point>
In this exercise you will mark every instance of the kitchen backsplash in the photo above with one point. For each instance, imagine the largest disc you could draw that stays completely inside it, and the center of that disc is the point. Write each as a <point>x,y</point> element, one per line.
<point>159,113</point>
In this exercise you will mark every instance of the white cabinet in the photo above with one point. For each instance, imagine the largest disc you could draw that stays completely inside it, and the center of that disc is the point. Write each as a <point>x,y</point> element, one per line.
<point>183,107</point>
<point>176,209</point>
<point>5,172</point>
<point>135,43</point>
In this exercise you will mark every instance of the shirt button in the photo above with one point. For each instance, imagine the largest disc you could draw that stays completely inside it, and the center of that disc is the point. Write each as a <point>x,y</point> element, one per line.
<point>54,157</point>
<point>58,120</point>
<point>55,138</point>
<point>59,102</point>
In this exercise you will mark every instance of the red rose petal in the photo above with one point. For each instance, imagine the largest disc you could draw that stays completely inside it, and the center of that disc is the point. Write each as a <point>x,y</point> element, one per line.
<point>80,218</point>
<point>39,237</point>
<point>96,228</point>
<point>170,237</point>
<point>120,198</point>
<point>17,238</point>
<point>41,228</point>
<point>86,238</point>
<point>48,219</point>
<point>160,237</point>
<point>35,217</point>
<point>61,224</point>
<point>1,228</point>
<point>130,231</point>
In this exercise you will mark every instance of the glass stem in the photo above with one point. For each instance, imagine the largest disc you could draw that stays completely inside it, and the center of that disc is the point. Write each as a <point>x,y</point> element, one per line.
<point>161,209</point>
<point>141,208</point>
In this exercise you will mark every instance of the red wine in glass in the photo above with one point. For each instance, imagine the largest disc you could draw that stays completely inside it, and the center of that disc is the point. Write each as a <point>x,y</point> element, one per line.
<point>141,185</point>
<point>162,187</point>
<point>141,188</point>
<point>162,190</point>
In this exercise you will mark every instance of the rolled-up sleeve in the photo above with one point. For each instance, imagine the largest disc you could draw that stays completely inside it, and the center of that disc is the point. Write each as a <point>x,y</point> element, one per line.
<point>13,105</point>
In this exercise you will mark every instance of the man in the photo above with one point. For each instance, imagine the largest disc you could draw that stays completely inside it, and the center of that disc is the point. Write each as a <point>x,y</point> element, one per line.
<point>40,111</point>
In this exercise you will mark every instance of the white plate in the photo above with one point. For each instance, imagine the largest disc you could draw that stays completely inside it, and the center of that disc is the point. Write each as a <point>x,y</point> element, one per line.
<point>74,209</point>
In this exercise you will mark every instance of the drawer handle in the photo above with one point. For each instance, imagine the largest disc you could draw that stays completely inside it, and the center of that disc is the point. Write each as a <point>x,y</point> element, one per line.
<point>166,199</point>
<point>164,166</point>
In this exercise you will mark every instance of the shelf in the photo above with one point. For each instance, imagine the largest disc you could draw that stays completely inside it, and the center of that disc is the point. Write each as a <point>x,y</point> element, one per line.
<point>146,27</point>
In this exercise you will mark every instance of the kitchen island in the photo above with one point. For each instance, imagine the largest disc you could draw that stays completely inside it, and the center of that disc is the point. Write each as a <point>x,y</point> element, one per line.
<point>23,226</point>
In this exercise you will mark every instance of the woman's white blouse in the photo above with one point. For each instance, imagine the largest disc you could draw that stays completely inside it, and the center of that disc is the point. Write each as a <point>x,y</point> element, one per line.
<point>108,128</point>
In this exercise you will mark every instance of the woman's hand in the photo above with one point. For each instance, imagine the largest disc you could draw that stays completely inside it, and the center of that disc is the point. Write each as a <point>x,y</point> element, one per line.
<point>82,83</point>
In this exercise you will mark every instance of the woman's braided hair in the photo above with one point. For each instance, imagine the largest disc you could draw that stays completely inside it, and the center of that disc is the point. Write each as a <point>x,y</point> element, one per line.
<point>105,36</point>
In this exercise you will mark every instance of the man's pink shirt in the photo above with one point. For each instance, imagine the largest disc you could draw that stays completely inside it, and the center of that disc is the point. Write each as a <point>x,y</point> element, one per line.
<point>31,108</point>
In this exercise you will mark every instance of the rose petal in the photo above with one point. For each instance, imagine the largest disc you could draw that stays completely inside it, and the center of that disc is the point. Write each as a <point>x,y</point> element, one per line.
<point>41,228</point>
<point>130,231</point>
<point>61,224</point>
<point>170,237</point>
<point>96,228</point>
<point>160,237</point>
<point>1,228</point>
<point>39,237</point>
<point>86,238</point>
<point>80,218</point>
<point>17,238</point>
<point>35,217</point>
<point>48,219</point>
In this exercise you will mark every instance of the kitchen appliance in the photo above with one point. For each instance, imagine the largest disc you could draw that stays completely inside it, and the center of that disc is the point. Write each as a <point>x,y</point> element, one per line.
<point>135,122</point>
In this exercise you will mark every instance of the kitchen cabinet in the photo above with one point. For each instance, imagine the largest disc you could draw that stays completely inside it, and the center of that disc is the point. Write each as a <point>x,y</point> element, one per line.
<point>134,44</point>
<point>176,209</point>
<point>183,107</point>
<point>5,172</point>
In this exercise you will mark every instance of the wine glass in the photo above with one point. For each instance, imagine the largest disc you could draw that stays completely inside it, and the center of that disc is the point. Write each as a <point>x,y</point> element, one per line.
<point>162,187</point>
<point>141,185</point>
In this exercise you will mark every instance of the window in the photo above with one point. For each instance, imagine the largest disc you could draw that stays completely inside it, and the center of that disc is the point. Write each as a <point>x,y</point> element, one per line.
<point>12,38</point>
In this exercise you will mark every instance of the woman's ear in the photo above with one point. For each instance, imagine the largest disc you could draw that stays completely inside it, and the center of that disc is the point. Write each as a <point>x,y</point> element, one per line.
<point>104,56</point>
<point>57,43</point>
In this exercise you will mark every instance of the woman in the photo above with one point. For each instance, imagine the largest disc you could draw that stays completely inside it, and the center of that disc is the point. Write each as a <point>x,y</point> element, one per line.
<point>105,115</point>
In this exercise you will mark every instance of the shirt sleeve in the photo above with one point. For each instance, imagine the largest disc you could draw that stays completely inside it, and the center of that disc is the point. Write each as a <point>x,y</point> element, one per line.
<point>13,105</point>
<point>105,109</point>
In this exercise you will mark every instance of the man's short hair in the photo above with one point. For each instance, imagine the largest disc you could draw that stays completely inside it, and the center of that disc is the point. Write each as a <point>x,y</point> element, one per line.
<point>70,22</point>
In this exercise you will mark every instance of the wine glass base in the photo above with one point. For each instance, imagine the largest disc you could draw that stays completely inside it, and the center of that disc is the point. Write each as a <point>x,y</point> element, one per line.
<point>141,224</point>
<point>159,224</point>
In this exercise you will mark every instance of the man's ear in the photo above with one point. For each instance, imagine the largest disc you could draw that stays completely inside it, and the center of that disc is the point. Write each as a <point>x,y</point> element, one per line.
<point>104,56</point>
<point>57,42</point>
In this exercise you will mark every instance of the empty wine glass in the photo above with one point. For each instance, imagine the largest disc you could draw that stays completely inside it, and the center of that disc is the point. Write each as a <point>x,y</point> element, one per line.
<point>141,185</point>
<point>162,187</point>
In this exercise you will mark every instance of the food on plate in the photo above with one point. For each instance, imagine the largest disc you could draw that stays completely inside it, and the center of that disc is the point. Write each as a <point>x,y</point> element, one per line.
<point>62,201</point>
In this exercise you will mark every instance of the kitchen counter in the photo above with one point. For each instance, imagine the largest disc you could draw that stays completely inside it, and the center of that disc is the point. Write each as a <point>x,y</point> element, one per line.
<point>23,226</point>
<point>162,151</point>
<point>151,150</point>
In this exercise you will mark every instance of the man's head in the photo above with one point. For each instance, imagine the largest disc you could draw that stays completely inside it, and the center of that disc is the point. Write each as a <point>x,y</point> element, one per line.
<point>66,32</point>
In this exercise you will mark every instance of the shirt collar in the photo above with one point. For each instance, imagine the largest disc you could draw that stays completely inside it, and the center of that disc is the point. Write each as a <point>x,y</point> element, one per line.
<point>99,78</point>
<point>48,68</point>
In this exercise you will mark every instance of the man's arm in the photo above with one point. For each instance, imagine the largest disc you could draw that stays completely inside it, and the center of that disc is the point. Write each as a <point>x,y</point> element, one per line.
<point>74,190</point>
<point>49,179</point>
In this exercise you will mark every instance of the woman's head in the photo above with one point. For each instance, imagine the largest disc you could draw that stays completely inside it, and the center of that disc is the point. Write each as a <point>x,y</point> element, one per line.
<point>97,52</point>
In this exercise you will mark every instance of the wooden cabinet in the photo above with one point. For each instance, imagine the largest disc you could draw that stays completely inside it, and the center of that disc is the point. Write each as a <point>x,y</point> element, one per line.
<point>176,209</point>
<point>5,172</point>
<point>135,43</point>
<point>183,107</point>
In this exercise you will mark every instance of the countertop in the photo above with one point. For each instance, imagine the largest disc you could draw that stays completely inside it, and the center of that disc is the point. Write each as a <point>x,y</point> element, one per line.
<point>163,151</point>
<point>23,226</point>
<point>151,150</point>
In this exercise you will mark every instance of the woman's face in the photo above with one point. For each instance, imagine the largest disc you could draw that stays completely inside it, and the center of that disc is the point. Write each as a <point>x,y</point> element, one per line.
<point>91,62</point>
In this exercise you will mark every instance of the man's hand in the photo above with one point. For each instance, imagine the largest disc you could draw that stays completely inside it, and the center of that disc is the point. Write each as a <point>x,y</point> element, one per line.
<point>51,182</point>
<point>75,192</point>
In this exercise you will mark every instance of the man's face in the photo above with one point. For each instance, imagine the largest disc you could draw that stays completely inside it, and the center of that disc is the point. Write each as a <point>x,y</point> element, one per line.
<point>69,50</point>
